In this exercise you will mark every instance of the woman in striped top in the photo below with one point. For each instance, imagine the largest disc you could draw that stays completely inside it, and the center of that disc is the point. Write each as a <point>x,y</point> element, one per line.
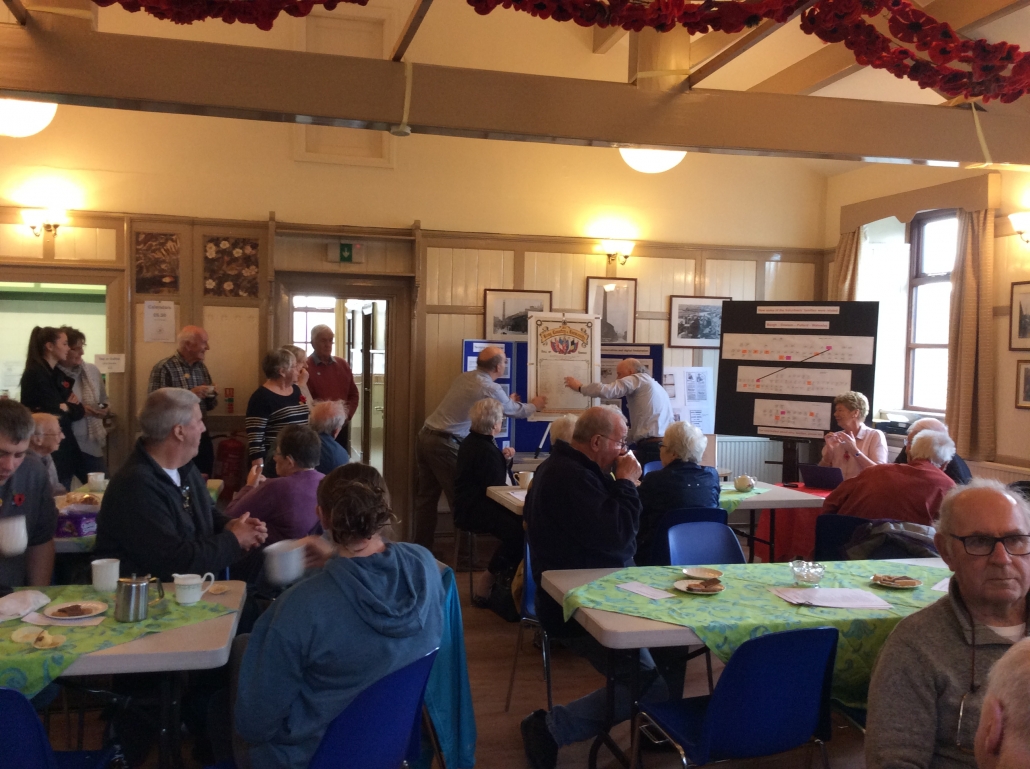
<point>277,403</point>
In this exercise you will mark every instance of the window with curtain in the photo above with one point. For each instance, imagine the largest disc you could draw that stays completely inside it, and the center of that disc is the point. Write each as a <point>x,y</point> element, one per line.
<point>934,244</point>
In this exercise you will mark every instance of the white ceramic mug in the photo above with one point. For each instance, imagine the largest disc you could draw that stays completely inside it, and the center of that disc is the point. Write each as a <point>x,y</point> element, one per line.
<point>284,562</point>
<point>14,535</point>
<point>524,478</point>
<point>189,588</point>
<point>105,574</point>
<point>96,482</point>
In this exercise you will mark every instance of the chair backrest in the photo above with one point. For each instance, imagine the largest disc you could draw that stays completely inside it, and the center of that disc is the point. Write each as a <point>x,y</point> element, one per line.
<point>773,695</point>
<point>832,532</point>
<point>650,467</point>
<point>703,542</point>
<point>528,587</point>
<point>23,742</point>
<point>708,459</point>
<point>660,540</point>
<point>381,727</point>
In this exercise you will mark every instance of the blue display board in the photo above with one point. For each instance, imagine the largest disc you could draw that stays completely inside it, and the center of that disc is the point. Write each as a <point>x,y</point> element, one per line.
<point>470,349</point>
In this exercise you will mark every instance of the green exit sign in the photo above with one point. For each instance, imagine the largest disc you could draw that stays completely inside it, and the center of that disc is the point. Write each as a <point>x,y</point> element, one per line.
<point>347,253</point>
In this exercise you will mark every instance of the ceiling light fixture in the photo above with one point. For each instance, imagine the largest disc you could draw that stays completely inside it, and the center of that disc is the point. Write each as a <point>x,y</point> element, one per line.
<point>1021,224</point>
<point>19,118</point>
<point>651,161</point>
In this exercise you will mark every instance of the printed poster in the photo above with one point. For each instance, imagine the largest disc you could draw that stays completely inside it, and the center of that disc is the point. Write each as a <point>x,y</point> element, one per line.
<point>562,345</point>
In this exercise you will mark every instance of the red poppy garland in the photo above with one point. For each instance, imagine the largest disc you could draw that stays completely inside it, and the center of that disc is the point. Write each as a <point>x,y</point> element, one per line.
<point>261,13</point>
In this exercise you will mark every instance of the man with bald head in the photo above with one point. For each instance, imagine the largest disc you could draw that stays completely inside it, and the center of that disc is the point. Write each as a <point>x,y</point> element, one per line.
<point>186,370</point>
<point>927,688</point>
<point>436,447</point>
<point>650,411</point>
<point>956,469</point>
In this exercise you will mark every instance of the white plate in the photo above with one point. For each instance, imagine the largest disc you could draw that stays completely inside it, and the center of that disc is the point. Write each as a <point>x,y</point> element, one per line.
<point>93,608</point>
<point>702,572</point>
<point>895,587</point>
<point>689,585</point>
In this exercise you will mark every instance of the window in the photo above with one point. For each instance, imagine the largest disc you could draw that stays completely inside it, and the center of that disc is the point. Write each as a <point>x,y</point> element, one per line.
<point>308,312</point>
<point>934,244</point>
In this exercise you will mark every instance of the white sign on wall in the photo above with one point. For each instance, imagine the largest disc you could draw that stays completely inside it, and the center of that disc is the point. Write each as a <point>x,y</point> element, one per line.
<point>159,321</point>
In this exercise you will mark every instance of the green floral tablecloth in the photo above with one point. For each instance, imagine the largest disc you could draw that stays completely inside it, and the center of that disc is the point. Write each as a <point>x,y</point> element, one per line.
<point>29,670</point>
<point>746,609</point>
<point>730,498</point>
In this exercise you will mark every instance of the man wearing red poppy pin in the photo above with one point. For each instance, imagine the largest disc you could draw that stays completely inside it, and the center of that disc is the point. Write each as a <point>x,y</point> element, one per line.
<point>28,516</point>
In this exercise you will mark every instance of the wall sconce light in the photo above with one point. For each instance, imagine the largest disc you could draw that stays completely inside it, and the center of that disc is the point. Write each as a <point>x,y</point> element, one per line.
<point>1021,224</point>
<point>617,250</point>
<point>40,221</point>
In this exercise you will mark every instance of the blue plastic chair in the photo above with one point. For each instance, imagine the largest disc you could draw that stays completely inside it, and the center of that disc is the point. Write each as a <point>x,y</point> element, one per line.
<point>650,467</point>
<point>660,539</point>
<point>24,744</point>
<point>773,696</point>
<point>704,542</point>
<point>382,726</point>
<point>529,619</point>
<point>832,532</point>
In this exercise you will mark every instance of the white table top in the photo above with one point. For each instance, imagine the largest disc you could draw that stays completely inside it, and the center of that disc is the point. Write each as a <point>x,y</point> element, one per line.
<point>202,646</point>
<point>511,497</point>
<point>622,631</point>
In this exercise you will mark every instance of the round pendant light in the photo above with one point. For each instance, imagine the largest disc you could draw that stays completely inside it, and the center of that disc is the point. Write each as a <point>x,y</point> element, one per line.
<point>651,161</point>
<point>19,118</point>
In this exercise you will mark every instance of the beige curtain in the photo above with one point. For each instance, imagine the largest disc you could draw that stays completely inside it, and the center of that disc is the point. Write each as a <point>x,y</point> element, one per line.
<point>843,283</point>
<point>970,414</point>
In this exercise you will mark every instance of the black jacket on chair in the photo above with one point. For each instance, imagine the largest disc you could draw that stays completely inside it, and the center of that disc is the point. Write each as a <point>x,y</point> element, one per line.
<point>679,484</point>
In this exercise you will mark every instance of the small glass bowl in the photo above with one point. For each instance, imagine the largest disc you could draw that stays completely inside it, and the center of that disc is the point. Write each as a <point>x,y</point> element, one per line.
<point>807,573</point>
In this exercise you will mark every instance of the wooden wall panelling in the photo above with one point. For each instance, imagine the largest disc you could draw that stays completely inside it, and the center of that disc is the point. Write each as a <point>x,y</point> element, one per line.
<point>146,354</point>
<point>564,275</point>
<point>234,355</point>
<point>443,352</point>
<point>790,281</point>
<point>306,252</point>
<point>735,278</point>
<point>657,279</point>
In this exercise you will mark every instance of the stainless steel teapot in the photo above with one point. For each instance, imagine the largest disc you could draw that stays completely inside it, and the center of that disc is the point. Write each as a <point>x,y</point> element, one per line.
<point>132,597</point>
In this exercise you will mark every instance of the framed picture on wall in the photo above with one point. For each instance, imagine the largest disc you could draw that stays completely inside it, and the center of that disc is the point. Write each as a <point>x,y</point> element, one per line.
<point>615,300</point>
<point>1019,316</point>
<point>507,312</point>
<point>695,321</point>
<point>1023,384</point>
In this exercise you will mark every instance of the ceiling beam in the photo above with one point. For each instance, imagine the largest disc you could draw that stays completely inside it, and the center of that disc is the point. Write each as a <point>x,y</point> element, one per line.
<point>59,60</point>
<point>605,38</point>
<point>17,11</point>
<point>835,62</point>
<point>415,18</point>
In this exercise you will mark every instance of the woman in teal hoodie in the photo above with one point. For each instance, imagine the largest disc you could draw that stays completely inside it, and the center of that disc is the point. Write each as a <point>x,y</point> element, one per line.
<point>375,607</point>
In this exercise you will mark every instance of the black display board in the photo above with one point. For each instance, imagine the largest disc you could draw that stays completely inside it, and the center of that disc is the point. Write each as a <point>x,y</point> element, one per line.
<point>767,388</point>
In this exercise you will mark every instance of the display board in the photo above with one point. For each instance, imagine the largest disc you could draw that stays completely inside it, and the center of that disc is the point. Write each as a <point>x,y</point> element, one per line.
<point>470,349</point>
<point>783,363</point>
<point>560,345</point>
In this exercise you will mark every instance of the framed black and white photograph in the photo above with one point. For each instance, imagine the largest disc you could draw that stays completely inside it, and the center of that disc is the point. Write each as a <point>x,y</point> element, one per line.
<point>615,300</point>
<point>507,312</point>
<point>1019,316</point>
<point>695,321</point>
<point>1023,384</point>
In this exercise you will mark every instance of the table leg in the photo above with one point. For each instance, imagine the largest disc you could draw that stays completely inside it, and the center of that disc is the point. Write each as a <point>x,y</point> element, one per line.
<point>772,535</point>
<point>751,536</point>
<point>169,746</point>
<point>605,738</point>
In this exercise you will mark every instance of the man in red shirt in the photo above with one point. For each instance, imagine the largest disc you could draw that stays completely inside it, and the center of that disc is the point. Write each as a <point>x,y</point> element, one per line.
<point>330,378</point>
<point>910,492</point>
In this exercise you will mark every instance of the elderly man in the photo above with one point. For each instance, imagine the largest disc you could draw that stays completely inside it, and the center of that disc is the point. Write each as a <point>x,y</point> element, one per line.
<point>1003,738</point>
<point>910,492</point>
<point>929,682</point>
<point>186,370</point>
<point>157,516</point>
<point>436,447</point>
<point>578,516</point>
<point>327,418</point>
<point>45,441</point>
<point>330,378</point>
<point>24,491</point>
<point>956,469</point>
<point>650,412</point>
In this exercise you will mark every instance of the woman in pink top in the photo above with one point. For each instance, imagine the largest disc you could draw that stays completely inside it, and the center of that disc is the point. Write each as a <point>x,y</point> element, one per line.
<point>856,446</point>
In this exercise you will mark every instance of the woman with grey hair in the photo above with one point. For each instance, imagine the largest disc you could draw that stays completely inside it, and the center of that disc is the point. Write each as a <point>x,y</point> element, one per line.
<point>854,447</point>
<point>481,464</point>
<point>562,428</point>
<point>327,419</point>
<point>682,482</point>
<point>274,404</point>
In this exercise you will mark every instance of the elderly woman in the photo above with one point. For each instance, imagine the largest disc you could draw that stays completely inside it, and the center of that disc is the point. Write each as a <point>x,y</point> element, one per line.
<point>482,464</point>
<point>375,607</point>
<point>327,419</point>
<point>301,372</point>
<point>90,433</point>
<point>855,447</point>
<point>682,482</point>
<point>562,429</point>
<point>287,502</point>
<point>274,404</point>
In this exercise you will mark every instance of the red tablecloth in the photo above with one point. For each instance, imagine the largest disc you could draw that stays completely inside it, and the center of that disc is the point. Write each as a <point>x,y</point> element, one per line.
<point>795,529</point>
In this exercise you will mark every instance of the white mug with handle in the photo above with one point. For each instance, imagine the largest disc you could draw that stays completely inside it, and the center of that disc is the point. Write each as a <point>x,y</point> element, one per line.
<point>189,588</point>
<point>14,535</point>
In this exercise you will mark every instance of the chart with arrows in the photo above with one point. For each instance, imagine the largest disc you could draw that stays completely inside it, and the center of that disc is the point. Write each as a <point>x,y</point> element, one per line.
<point>780,380</point>
<point>798,348</point>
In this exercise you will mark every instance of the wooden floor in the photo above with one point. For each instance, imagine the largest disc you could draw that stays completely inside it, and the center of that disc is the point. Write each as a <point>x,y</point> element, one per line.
<point>490,643</point>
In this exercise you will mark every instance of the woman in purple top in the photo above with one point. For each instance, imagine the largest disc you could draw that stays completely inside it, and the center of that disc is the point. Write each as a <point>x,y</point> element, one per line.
<point>286,504</point>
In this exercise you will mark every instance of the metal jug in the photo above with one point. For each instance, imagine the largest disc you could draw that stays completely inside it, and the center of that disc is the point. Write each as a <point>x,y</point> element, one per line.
<point>132,597</point>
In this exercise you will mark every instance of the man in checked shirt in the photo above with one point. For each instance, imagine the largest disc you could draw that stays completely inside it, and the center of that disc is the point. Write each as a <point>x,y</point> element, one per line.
<point>187,371</point>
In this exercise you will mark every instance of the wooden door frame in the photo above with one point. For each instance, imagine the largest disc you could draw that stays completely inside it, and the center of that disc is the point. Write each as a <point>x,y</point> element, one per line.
<point>398,423</point>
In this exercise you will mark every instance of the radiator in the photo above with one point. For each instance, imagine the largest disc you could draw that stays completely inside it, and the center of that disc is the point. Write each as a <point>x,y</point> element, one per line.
<point>747,456</point>
<point>1004,473</point>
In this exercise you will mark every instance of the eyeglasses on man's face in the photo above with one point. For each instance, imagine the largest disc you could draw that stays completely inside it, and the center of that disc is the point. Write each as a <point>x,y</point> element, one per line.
<point>622,443</point>
<point>978,544</point>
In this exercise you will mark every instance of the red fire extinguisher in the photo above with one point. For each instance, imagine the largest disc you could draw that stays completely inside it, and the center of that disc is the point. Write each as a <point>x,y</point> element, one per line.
<point>229,465</point>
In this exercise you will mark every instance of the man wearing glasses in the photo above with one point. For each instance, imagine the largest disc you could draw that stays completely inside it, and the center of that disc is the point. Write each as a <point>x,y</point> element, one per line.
<point>928,686</point>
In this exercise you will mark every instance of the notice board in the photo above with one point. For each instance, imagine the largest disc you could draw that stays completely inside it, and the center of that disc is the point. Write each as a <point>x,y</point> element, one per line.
<point>782,364</point>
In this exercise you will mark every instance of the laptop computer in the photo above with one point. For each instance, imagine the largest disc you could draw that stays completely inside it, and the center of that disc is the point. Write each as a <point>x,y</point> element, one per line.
<point>818,477</point>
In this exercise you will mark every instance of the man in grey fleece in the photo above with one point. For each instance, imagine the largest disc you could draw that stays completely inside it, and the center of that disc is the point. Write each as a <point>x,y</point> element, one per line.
<point>928,686</point>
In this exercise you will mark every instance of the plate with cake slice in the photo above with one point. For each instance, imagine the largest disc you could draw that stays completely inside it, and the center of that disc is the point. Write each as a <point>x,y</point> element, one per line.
<point>700,586</point>
<point>75,609</point>
<point>896,581</point>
